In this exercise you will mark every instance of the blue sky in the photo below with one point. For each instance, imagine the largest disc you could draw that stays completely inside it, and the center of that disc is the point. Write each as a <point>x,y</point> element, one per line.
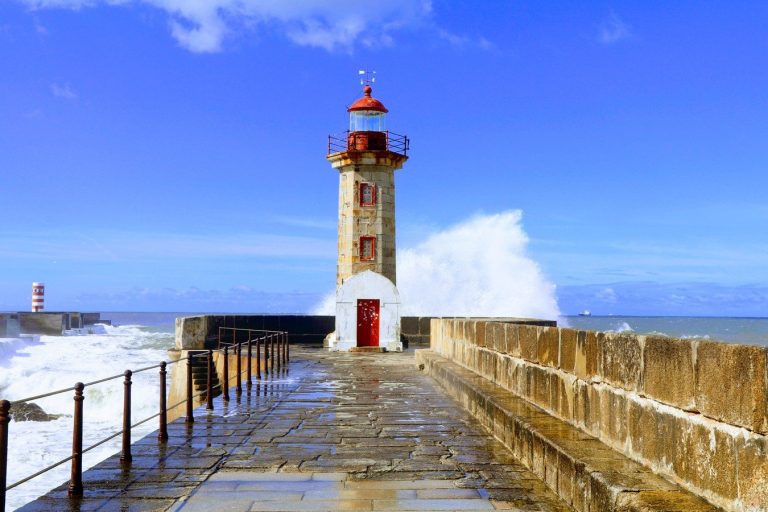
<point>169,155</point>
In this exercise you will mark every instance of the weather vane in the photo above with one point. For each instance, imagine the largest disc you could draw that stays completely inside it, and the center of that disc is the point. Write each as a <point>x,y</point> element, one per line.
<point>367,77</point>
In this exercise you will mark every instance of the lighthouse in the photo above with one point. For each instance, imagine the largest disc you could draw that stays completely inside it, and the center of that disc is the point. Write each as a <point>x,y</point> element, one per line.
<point>366,157</point>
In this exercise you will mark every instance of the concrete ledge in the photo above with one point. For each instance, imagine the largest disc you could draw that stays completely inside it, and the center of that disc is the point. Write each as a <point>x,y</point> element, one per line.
<point>587,474</point>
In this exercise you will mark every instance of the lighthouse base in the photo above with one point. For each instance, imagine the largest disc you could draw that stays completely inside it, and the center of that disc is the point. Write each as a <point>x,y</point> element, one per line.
<point>367,315</point>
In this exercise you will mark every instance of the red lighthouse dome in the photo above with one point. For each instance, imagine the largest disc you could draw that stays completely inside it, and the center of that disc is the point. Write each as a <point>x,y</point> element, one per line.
<point>368,102</point>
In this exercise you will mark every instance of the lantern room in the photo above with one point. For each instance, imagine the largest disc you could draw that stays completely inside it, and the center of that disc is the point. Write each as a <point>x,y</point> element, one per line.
<point>367,114</point>
<point>367,123</point>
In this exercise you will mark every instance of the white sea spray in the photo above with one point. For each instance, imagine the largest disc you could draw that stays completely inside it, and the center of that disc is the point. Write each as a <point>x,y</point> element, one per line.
<point>39,364</point>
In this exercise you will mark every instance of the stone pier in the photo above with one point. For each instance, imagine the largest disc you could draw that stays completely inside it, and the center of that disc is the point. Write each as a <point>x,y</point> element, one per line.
<point>334,432</point>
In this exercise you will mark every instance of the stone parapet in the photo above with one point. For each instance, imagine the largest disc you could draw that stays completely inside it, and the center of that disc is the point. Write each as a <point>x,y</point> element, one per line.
<point>693,411</point>
<point>581,470</point>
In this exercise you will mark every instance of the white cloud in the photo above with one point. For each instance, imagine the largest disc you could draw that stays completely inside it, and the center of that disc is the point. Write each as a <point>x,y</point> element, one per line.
<point>613,29</point>
<point>63,91</point>
<point>203,25</point>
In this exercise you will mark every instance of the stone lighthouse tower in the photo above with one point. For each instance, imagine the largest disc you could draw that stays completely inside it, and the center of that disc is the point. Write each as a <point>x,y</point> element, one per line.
<point>367,156</point>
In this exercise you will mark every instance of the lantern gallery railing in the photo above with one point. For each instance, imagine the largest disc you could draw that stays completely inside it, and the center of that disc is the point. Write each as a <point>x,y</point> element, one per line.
<point>369,141</point>
<point>276,356</point>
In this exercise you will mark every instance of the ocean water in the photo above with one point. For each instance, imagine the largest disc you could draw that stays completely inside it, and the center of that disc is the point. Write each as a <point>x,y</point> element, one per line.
<point>38,364</point>
<point>748,331</point>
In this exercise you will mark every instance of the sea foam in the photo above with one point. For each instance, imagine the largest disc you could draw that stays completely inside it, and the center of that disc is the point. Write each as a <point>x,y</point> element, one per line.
<point>39,364</point>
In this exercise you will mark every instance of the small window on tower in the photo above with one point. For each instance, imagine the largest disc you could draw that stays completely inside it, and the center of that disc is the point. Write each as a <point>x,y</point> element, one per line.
<point>367,248</point>
<point>367,194</point>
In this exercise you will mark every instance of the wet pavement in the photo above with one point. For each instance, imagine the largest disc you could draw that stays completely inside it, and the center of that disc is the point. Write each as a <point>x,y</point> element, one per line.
<point>335,432</point>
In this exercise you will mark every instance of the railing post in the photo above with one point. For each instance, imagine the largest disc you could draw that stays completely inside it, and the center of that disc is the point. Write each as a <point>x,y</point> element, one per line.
<point>280,350</point>
<point>272,354</point>
<point>248,383</point>
<point>125,454</point>
<point>258,361</point>
<point>5,419</point>
<point>162,434</point>
<point>277,351</point>
<point>209,382</point>
<point>267,339</point>
<point>225,386</point>
<point>75,488</point>
<point>287,348</point>
<point>190,418</point>
<point>239,388</point>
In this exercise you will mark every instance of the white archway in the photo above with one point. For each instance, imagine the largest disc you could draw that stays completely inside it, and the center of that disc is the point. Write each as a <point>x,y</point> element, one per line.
<point>367,287</point>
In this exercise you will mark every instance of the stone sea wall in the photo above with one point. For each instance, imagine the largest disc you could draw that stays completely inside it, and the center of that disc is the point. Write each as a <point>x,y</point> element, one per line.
<point>693,411</point>
<point>201,332</point>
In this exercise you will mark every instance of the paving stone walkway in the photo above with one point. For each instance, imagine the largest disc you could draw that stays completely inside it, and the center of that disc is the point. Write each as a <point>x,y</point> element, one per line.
<point>335,432</point>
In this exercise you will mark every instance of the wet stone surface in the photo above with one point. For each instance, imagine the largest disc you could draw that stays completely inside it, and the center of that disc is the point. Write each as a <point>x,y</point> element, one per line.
<point>334,432</point>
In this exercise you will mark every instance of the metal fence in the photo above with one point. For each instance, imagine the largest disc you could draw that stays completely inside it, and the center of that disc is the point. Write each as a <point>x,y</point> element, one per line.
<point>358,141</point>
<point>276,356</point>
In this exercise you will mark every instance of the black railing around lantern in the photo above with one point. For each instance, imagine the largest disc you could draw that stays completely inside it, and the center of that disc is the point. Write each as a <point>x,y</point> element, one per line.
<point>276,356</point>
<point>369,141</point>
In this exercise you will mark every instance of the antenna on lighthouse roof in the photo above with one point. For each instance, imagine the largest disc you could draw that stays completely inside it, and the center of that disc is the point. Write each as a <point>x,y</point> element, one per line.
<point>367,77</point>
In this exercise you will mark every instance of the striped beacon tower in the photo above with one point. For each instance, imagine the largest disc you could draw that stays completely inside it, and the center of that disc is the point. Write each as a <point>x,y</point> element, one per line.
<point>38,294</point>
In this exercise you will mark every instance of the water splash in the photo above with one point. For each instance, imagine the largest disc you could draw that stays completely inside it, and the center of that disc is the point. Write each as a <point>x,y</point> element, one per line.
<point>479,267</point>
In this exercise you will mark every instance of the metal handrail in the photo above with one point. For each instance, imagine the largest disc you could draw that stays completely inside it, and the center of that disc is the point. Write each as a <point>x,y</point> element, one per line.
<point>395,142</point>
<point>75,484</point>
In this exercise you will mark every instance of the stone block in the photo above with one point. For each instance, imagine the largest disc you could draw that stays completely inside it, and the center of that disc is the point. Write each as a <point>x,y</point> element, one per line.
<point>551,464</point>
<point>753,471</point>
<point>528,343</point>
<point>566,478</point>
<point>512,338</point>
<point>731,384</point>
<point>548,346</point>
<point>661,500</point>
<point>479,332</point>
<point>538,462</point>
<point>495,337</point>
<point>586,354</point>
<point>653,435</point>
<point>567,350</point>
<point>592,420</point>
<point>668,371</point>
<point>567,397</point>
<point>706,457</point>
<point>621,359</point>
<point>613,417</point>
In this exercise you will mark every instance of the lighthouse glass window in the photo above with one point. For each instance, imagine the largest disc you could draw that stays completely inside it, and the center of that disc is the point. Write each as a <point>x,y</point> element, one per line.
<point>367,194</point>
<point>367,121</point>
<point>367,248</point>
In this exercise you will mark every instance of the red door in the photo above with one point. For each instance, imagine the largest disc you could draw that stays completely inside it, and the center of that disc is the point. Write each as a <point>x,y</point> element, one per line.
<point>367,322</point>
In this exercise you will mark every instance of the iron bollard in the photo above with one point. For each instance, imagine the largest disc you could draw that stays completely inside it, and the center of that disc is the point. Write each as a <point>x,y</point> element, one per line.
<point>258,361</point>
<point>5,419</point>
<point>162,434</point>
<point>75,488</point>
<point>209,382</point>
<point>125,454</point>
<point>190,418</point>
<point>248,383</point>
<point>225,387</point>
<point>239,388</point>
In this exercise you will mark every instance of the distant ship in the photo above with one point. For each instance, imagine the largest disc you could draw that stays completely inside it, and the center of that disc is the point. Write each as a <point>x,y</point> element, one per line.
<point>586,312</point>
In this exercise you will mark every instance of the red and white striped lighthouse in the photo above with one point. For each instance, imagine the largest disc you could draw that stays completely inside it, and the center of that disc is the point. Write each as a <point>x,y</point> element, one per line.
<point>38,297</point>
